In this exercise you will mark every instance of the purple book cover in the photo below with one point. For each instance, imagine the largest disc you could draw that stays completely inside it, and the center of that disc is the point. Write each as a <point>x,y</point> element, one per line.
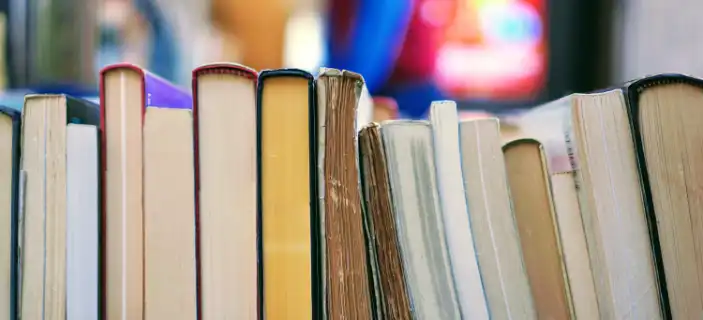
<point>160,93</point>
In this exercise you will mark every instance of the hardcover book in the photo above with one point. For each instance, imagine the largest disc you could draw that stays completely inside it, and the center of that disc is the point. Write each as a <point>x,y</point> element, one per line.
<point>46,136</point>
<point>9,209</point>
<point>666,114</point>
<point>599,204</point>
<point>225,127</point>
<point>345,268</point>
<point>126,91</point>
<point>287,196</point>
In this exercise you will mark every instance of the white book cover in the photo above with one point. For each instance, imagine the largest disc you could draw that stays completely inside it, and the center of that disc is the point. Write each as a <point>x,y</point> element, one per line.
<point>411,174</point>
<point>444,119</point>
<point>82,225</point>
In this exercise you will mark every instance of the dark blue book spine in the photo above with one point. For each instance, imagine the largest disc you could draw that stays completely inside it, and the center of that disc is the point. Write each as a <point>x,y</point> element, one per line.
<point>14,209</point>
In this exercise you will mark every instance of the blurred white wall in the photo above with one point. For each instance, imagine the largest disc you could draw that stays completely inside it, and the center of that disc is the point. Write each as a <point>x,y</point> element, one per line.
<point>656,36</point>
<point>198,41</point>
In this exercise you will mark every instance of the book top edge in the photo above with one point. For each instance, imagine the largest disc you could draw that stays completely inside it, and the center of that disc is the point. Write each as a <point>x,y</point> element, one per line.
<point>225,67</point>
<point>288,72</point>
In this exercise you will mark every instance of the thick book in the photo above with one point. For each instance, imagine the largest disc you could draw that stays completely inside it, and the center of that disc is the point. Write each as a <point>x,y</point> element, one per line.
<point>493,225</point>
<point>666,114</point>
<point>126,91</point>
<point>43,242</point>
<point>383,249</point>
<point>533,207</point>
<point>657,119</point>
<point>287,195</point>
<point>224,114</point>
<point>600,209</point>
<point>344,260</point>
<point>9,209</point>
<point>409,150</point>
<point>444,120</point>
<point>169,214</point>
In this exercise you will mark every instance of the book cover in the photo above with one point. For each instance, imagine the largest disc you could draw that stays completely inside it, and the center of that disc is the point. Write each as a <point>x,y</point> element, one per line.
<point>633,90</point>
<point>314,219</point>
<point>342,227</point>
<point>14,208</point>
<point>156,92</point>
<point>213,68</point>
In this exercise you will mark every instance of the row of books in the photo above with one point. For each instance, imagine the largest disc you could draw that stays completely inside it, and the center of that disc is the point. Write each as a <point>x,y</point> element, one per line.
<point>272,195</point>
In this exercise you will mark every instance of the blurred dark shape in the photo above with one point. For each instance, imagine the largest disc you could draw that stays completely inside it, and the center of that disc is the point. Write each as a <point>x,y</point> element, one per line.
<point>52,42</point>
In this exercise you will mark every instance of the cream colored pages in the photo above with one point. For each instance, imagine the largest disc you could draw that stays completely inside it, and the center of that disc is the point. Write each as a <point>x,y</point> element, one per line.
<point>455,211</point>
<point>534,213</point>
<point>169,215</point>
<point>44,248</point>
<point>671,122</point>
<point>546,125</point>
<point>496,236</point>
<point>227,155</point>
<point>614,219</point>
<point>123,196</point>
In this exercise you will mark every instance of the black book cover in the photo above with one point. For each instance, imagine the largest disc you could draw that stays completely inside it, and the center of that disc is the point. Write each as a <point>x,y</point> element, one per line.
<point>14,207</point>
<point>633,91</point>
<point>314,218</point>
<point>82,111</point>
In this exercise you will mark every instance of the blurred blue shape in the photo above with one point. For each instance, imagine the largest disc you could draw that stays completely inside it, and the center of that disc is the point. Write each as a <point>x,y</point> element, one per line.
<point>13,98</point>
<point>163,53</point>
<point>374,41</point>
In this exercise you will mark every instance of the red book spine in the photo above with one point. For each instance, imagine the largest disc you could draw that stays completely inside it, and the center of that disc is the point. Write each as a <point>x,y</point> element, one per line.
<point>103,166</point>
<point>216,68</point>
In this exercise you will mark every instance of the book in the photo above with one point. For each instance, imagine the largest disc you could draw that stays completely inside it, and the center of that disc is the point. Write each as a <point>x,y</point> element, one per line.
<point>43,243</point>
<point>225,125</point>
<point>533,206</point>
<point>287,195</point>
<point>411,172</point>
<point>344,263</point>
<point>597,192</point>
<point>393,301</point>
<point>169,212</point>
<point>9,214</point>
<point>444,120</point>
<point>125,92</point>
<point>82,221</point>
<point>665,117</point>
<point>493,224</point>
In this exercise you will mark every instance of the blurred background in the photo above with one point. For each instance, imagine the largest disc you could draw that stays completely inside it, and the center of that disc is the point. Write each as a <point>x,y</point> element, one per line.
<point>494,56</point>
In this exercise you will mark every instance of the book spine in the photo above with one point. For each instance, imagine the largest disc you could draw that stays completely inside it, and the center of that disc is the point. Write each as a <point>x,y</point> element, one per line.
<point>633,89</point>
<point>236,70</point>
<point>17,195</point>
<point>317,294</point>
